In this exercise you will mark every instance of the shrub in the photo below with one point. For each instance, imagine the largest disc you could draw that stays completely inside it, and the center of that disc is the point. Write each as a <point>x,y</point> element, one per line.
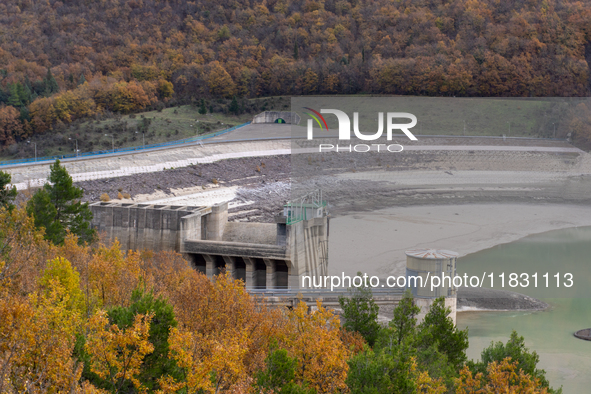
<point>105,197</point>
<point>120,196</point>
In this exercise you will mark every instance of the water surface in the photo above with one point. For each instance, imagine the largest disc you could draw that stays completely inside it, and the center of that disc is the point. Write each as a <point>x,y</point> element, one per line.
<point>566,359</point>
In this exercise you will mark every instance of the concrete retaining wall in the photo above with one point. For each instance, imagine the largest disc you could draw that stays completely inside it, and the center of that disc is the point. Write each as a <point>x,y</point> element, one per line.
<point>273,116</point>
<point>264,255</point>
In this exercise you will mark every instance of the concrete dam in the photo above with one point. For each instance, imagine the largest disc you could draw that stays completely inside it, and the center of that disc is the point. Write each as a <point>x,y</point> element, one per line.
<point>263,255</point>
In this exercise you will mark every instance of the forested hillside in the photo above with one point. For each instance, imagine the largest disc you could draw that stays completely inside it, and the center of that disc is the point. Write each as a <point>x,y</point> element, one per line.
<point>65,60</point>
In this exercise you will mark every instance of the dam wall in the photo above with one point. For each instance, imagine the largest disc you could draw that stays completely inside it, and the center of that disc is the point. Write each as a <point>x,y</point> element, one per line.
<point>263,255</point>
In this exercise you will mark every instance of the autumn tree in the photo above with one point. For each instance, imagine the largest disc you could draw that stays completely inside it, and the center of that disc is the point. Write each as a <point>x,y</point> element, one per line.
<point>116,354</point>
<point>223,333</point>
<point>111,276</point>
<point>60,270</point>
<point>157,363</point>
<point>518,353</point>
<point>22,251</point>
<point>58,209</point>
<point>219,81</point>
<point>501,377</point>
<point>11,128</point>
<point>131,96</point>
<point>37,341</point>
<point>313,340</point>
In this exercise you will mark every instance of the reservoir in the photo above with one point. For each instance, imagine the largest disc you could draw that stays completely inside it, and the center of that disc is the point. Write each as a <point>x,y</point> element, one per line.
<point>566,359</point>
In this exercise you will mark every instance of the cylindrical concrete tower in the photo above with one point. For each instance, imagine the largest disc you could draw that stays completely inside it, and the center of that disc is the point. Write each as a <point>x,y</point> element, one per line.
<point>424,264</point>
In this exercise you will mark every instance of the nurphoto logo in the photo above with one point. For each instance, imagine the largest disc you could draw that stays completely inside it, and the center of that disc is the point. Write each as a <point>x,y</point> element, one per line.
<point>345,130</point>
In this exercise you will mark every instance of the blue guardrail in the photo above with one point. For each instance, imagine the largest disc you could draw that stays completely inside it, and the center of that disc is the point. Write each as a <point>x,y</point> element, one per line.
<point>121,150</point>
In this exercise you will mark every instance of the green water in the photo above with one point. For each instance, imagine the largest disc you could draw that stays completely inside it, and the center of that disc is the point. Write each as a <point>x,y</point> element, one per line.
<point>566,359</point>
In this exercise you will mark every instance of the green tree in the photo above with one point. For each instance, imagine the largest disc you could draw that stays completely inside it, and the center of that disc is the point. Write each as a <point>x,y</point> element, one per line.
<point>234,108</point>
<point>15,98</point>
<point>361,313</point>
<point>154,365</point>
<point>57,208</point>
<point>296,52</point>
<point>279,375</point>
<point>7,193</point>
<point>202,109</point>
<point>157,363</point>
<point>50,83</point>
<point>438,329</point>
<point>382,371</point>
<point>516,350</point>
<point>404,322</point>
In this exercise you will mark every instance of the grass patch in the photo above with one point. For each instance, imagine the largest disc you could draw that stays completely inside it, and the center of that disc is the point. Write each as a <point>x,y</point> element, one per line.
<point>153,127</point>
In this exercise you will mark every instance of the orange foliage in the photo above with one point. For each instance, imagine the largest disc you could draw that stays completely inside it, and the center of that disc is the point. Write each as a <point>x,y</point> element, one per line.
<point>23,252</point>
<point>222,330</point>
<point>313,339</point>
<point>117,355</point>
<point>501,378</point>
<point>10,126</point>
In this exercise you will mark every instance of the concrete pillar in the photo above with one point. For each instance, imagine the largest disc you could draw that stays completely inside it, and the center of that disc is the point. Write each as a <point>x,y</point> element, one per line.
<point>230,260</point>
<point>210,269</point>
<point>293,279</point>
<point>249,272</point>
<point>271,282</point>
<point>216,222</point>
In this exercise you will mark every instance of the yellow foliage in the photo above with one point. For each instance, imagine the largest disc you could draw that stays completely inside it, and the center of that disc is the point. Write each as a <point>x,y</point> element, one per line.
<point>313,338</point>
<point>428,385</point>
<point>60,270</point>
<point>220,82</point>
<point>37,337</point>
<point>23,251</point>
<point>501,378</point>
<point>223,332</point>
<point>213,362</point>
<point>117,355</point>
<point>112,276</point>
<point>43,114</point>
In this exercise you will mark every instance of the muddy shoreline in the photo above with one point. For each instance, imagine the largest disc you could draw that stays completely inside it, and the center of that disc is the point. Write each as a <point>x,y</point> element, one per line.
<point>365,183</point>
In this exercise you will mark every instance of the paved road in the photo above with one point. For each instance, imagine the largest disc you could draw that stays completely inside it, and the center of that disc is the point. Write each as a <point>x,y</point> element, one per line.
<point>249,141</point>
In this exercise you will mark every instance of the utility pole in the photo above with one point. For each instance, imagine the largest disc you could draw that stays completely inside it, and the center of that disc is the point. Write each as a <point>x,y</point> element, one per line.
<point>76,146</point>
<point>143,138</point>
